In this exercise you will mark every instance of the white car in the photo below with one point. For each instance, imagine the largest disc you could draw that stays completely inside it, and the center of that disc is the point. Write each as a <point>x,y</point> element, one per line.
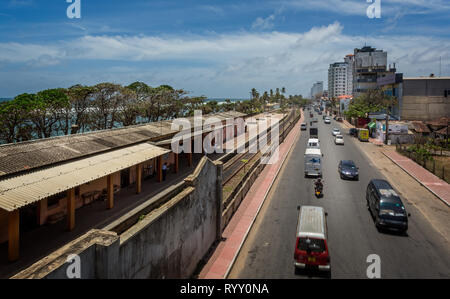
<point>327,120</point>
<point>336,132</point>
<point>339,139</point>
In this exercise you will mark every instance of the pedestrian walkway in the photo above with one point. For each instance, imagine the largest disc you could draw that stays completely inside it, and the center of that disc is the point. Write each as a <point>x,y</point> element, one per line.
<point>237,230</point>
<point>434,184</point>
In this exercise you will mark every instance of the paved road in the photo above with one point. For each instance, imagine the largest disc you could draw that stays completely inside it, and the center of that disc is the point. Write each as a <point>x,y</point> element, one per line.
<point>269,249</point>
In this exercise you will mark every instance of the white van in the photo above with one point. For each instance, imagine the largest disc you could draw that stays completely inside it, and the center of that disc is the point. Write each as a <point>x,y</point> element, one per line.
<point>313,143</point>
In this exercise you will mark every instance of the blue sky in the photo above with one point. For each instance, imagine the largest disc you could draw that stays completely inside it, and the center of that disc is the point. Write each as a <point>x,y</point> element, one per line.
<point>212,48</point>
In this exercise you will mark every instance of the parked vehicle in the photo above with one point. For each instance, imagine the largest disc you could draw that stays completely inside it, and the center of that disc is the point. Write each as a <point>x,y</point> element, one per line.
<point>353,132</point>
<point>311,246</point>
<point>313,162</point>
<point>348,170</point>
<point>386,207</point>
<point>339,119</point>
<point>363,135</point>
<point>303,126</point>
<point>313,132</point>
<point>335,132</point>
<point>313,143</point>
<point>339,139</point>
<point>327,120</point>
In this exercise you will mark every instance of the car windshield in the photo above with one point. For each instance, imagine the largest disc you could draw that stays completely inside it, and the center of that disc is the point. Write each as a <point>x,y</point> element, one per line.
<point>336,130</point>
<point>348,164</point>
<point>339,137</point>
<point>315,245</point>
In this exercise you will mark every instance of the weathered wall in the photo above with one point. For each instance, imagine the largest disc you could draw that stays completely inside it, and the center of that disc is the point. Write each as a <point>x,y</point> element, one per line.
<point>423,99</point>
<point>169,242</point>
<point>424,108</point>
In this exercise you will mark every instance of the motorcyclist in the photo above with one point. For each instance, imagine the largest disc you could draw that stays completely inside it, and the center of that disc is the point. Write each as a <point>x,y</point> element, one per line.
<point>318,184</point>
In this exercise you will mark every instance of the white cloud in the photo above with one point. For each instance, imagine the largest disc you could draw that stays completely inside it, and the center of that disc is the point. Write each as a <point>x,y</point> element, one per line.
<point>219,64</point>
<point>264,24</point>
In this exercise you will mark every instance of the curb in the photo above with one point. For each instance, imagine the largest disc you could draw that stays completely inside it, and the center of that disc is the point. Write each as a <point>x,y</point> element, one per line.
<point>262,203</point>
<point>441,199</point>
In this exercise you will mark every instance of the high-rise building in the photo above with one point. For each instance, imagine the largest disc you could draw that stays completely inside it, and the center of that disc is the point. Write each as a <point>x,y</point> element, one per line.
<point>337,79</point>
<point>350,60</point>
<point>317,90</point>
<point>368,64</point>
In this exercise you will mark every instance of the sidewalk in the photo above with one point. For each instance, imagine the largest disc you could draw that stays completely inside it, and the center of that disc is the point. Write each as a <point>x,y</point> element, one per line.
<point>234,235</point>
<point>434,184</point>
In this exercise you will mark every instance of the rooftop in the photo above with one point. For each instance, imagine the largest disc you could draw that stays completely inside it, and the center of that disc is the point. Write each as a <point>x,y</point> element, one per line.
<point>24,156</point>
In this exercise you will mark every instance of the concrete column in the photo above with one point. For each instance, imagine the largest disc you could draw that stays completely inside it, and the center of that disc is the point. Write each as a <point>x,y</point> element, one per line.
<point>159,169</point>
<point>189,156</point>
<point>13,235</point>
<point>41,211</point>
<point>176,156</point>
<point>138,178</point>
<point>71,209</point>
<point>110,191</point>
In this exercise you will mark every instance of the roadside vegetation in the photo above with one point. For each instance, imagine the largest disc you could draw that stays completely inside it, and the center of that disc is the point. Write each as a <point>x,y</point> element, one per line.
<point>80,108</point>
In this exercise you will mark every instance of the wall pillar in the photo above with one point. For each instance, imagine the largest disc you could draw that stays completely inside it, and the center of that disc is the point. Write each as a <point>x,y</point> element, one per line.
<point>159,169</point>
<point>138,178</point>
<point>110,191</point>
<point>176,156</point>
<point>13,235</point>
<point>189,157</point>
<point>71,209</point>
<point>41,211</point>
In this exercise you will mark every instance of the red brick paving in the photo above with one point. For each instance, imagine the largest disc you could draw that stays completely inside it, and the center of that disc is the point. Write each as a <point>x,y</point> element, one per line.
<point>437,186</point>
<point>236,231</point>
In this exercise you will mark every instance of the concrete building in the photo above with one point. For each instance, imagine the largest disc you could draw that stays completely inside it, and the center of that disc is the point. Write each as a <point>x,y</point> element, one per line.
<point>368,64</point>
<point>337,79</point>
<point>350,60</point>
<point>425,98</point>
<point>317,90</point>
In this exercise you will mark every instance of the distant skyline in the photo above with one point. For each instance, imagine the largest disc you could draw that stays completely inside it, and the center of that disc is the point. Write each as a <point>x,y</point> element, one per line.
<point>220,49</point>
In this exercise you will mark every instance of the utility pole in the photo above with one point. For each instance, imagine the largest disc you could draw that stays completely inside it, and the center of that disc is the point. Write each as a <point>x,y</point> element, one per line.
<point>387,129</point>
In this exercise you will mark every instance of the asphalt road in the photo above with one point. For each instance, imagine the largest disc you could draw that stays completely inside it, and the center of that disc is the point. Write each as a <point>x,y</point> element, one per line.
<point>352,236</point>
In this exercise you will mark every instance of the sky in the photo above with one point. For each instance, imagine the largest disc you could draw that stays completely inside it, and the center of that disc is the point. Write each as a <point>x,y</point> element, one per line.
<point>219,49</point>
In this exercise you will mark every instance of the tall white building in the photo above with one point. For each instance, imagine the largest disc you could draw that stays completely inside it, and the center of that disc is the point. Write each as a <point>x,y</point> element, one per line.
<point>317,90</point>
<point>350,60</point>
<point>338,79</point>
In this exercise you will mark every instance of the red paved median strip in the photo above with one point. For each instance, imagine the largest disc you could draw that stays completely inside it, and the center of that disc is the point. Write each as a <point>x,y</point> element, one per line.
<point>437,186</point>
<point>237,230</point>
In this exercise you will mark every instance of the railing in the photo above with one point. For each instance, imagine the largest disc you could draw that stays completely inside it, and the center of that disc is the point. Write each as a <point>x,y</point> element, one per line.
<point>439,166</point>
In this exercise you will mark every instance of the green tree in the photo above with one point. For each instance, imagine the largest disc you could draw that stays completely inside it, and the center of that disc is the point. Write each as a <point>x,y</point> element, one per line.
<point>14,115</point>
<point>47,111</point>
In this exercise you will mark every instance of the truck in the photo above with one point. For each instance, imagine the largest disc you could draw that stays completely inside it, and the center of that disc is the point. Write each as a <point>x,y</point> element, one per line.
<point>313,162</point>
<point>363,135</point>
<point>313,132</point>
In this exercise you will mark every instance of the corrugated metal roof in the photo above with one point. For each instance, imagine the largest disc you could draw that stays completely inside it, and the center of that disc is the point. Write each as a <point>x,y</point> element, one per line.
<point>32,187</point>
<point>29,155</point>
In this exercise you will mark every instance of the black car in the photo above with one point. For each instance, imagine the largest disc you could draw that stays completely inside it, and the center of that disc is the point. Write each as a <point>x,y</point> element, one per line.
<point>353,132</point>
<point>386,207</point>
<point>348,170</point>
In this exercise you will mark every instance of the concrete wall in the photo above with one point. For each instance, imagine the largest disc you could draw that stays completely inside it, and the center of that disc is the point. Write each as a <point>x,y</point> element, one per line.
<point>424,108</point>
<point>423,99</point>
<point>169,242</point>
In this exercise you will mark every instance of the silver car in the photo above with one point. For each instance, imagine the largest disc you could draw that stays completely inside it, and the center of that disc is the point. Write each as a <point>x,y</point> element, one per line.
<point>335,132</point>
<point>339,139</point>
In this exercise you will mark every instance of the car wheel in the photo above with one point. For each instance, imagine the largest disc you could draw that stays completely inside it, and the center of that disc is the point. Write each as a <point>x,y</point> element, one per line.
<point>357,178</point>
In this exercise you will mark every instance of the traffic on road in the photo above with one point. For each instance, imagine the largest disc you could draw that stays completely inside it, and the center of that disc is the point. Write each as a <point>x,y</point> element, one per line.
<point>330,222</point>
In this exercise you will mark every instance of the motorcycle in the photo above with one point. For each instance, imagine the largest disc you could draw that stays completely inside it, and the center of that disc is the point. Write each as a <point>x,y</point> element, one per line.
<point>318,189</point>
